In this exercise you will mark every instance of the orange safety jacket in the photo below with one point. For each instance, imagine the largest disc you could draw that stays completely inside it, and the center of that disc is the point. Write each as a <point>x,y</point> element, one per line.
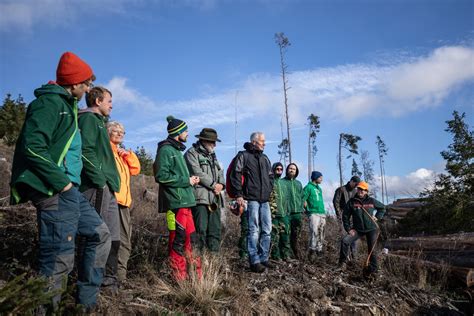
<point>127,166</point>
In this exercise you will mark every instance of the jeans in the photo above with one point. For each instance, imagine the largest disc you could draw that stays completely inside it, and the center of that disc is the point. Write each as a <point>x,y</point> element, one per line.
<point>260,228</point>
<point>61,218</point>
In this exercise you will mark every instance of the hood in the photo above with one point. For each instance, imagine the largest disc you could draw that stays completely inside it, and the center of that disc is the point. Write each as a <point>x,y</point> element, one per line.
<point>90,110</point>
<point>170,141</point>
<point>274,166</point>
<point>52,88</point>
<point>251,148</point>
<point>297,170</point>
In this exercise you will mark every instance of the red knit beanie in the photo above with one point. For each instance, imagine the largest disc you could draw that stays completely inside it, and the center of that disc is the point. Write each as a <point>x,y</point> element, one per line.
<point>72,70</point>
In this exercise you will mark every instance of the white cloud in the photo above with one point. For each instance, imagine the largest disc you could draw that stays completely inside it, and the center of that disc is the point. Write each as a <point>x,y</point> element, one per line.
<point>24,15</point>
<point>345,92</point>
<point>410,185</point>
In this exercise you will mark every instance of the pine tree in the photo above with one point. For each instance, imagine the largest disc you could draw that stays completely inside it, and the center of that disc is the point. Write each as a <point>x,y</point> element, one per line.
<point>314,125</point>
<point>146,162</point>
<point>12,116</point>
<point>449,205</point>
<point>348,142</point>
<point>282,41</point>
<point>355,169</point>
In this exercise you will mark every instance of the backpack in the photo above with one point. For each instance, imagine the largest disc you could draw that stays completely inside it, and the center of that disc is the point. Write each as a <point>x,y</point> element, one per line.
<point>228,184</point>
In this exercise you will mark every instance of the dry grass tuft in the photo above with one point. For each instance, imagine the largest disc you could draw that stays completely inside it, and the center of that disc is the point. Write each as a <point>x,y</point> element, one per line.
<point>206,295</point>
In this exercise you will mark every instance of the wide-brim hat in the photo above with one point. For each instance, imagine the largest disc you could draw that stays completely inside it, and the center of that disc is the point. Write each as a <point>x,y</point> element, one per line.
<point>208,134</point>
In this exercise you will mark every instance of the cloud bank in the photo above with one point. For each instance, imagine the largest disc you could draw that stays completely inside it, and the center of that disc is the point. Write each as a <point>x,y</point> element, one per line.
<point>346,92</point>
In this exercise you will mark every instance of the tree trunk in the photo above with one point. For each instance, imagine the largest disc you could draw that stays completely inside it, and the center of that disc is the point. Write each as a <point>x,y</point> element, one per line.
<point>340,160</point>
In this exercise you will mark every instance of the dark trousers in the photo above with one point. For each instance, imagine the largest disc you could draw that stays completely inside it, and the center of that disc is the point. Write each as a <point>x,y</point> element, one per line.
<point>208,227</point>
<point>371,237</point>
<point>105,203</point>
<point>295,229</point>
<point>244,230</point>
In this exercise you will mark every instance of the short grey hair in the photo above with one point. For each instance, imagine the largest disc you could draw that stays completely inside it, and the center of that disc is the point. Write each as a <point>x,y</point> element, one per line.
<point>255,136</point>
<point>114,124</point>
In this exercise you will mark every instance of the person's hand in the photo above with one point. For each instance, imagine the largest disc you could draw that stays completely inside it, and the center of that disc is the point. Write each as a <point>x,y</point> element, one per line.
<point>352,232</point>
<point>218,188</point>
<point>240,201</point>
<point>67,187</point>
<point>123,152</point>
<point>193,180</point>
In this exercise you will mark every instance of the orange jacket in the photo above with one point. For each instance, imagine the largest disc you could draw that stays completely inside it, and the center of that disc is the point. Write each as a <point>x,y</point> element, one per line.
<point>127,166</point>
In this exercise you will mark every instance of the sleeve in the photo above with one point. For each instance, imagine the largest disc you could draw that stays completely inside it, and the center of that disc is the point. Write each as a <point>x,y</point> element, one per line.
<point>194,167</point>
<point>165,167</point>
<point>380,207</point>
<point>220,175</point>
<point>91,166</point>
<point>306,193</point>
<point>133,163</point>
<point>336,201</point>
<point>346,216</point>
<point>38,129</point>
<point>236,175</point>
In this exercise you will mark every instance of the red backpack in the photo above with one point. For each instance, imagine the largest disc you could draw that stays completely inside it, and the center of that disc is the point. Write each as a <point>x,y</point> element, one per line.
<point>228,184</point>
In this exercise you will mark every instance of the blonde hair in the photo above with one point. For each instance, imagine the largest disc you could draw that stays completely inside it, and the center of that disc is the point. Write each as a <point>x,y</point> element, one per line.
<point>114,124</point>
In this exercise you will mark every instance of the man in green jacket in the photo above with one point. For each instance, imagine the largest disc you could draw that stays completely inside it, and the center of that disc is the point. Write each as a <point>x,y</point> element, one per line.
<point>46,170</point>
<point>176,195</point>
<point>280,219</point>
<point>361,209</point>
<point>100,177</point>
<point>294,205</point>
<point>202,162</point>
<point>314,204</point>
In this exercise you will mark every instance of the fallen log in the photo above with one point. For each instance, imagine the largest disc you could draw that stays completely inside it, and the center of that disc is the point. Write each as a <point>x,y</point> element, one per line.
<point>455,258</point>
<point>462,275</point>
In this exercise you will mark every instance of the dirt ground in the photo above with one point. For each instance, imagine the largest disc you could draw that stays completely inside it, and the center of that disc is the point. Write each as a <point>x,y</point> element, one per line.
<point>228,287</point>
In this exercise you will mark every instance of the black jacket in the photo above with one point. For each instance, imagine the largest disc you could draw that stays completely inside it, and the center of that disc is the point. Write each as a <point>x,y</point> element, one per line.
<point>255,167</point>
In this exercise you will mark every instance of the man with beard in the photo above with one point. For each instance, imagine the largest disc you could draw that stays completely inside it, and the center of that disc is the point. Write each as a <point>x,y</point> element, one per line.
<point>177,197</point>
<point>202,162</point>
<point>341,198</point>
<point>280,219</point>
<point>294,205</point>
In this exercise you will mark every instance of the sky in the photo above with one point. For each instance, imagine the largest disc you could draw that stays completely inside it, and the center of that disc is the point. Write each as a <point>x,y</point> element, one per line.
<point>396,69</point>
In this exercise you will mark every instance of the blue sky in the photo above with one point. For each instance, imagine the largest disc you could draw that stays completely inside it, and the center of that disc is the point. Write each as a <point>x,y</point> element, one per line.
<point>391,68</point>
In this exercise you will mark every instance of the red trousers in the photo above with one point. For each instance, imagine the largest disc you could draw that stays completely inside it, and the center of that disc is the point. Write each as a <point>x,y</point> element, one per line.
<point>180,249</point>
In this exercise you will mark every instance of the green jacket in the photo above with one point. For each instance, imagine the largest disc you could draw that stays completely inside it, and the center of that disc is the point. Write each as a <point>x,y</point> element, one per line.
<point>293,195</point>
<point>173,176</point>
<point>48,131</point>
<point>313,196</point>
<point>99,162</point>
<point>361,221</point>
<point>277,199</point>
<point>204,165</point>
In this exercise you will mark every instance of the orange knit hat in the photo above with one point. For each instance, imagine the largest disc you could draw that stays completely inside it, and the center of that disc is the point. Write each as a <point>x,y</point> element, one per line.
<point>72,70</point>
<point>363,185</point>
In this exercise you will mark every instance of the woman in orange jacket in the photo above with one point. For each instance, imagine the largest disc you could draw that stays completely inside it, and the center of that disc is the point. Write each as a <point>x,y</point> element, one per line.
<point>127,165</point>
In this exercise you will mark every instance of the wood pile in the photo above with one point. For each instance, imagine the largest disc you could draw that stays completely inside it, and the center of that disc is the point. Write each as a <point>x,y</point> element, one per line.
<point>452,252</point>
<point>401,207</point>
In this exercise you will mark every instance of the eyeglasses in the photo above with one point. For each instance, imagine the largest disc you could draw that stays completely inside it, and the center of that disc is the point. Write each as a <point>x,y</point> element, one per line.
<point>279,169</point>
<point>88,84</point>
<point>118,132</point>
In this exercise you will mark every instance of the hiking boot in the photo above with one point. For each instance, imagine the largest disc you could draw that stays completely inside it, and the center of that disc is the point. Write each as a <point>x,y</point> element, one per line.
<point>268,265</point>
<point>257,268</point>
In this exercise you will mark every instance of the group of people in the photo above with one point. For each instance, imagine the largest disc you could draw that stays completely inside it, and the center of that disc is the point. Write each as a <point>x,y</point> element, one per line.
<point>71,165</point>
